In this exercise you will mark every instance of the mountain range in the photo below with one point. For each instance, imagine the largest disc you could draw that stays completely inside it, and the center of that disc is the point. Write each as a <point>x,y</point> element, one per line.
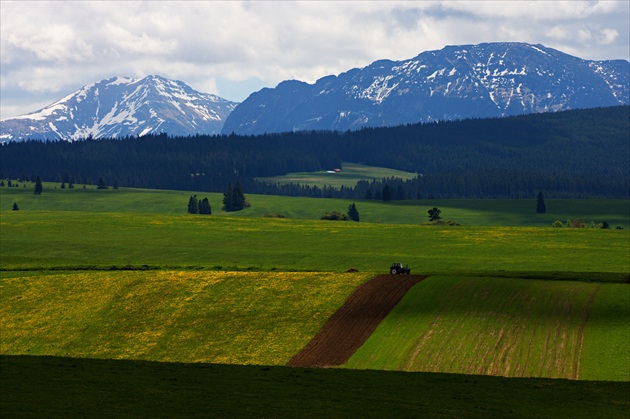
<point>120,107</point>
<point>456,82</point>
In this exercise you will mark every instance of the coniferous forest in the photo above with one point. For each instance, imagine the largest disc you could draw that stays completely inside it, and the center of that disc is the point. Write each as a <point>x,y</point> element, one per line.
<point>571,154</point>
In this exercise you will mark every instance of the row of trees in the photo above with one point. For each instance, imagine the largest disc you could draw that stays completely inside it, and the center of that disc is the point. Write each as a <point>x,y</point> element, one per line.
<point>196,206</point>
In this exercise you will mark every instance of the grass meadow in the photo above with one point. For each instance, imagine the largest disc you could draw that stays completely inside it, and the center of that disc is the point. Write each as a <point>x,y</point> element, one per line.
<point>97,286</point>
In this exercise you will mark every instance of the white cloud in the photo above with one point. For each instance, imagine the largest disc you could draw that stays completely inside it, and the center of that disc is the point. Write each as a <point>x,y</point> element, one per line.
<point>55,47</point>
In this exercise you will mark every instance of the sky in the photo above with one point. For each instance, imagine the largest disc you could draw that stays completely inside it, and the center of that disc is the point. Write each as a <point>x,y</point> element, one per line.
<point>50,49</point>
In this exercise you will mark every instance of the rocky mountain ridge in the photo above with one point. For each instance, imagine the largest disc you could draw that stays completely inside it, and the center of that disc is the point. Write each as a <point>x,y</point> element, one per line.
<point>457,82</point>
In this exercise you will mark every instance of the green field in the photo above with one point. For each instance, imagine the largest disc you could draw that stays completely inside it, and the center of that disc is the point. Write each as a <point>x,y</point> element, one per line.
<point>127,274</point>
<point>81,239</point>
<point>350,174</point>
<point>507,327</point>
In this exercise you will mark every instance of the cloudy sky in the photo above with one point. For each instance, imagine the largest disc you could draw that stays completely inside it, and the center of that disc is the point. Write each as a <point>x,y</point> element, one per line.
<point>51,48</point>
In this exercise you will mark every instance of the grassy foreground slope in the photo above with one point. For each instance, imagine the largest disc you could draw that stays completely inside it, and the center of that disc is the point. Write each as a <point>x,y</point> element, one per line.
<point>507,327</point>
<point>63,387</point>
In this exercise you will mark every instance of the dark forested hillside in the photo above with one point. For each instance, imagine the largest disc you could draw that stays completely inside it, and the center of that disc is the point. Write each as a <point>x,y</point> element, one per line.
<point>580,153</point>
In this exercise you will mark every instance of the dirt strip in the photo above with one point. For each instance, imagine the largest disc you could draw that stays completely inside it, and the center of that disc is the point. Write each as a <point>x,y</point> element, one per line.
<point>355,321</point>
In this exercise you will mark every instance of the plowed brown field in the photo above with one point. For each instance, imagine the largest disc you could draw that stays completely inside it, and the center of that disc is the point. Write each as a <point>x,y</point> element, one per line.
<point>355,321</point>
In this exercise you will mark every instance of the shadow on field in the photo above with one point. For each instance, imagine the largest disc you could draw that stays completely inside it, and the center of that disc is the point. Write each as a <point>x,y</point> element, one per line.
<point>65,387</point>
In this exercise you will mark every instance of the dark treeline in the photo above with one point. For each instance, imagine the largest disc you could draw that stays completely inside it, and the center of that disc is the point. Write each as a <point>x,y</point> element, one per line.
<point>572,154</point>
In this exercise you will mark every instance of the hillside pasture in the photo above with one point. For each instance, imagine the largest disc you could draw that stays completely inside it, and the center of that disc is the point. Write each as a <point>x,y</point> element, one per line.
<point>505,327</point>
<point>349,175</point>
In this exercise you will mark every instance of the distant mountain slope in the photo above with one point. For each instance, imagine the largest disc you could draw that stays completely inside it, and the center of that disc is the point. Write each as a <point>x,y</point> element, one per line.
<point>118,107</point>
<point>468,81</point>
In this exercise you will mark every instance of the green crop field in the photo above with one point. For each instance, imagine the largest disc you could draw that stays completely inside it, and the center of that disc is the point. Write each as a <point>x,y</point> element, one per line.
<point>507,327</point>
<point>127,274</point>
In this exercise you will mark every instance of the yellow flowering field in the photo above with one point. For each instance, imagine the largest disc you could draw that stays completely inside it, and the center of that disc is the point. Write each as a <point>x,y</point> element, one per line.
<point>179,316</point>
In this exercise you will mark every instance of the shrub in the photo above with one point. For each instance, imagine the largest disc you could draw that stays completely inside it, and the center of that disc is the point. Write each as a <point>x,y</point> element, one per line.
<point>335,216</point>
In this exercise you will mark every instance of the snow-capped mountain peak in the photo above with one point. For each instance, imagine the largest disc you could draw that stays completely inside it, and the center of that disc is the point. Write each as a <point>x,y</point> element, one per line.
<point>122,106</point>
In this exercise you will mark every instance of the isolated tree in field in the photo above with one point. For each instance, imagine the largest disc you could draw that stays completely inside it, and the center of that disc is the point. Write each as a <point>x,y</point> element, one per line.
<point>38,186</point>
<point>540,204</point>
<point>353,213</point>
<point>434,214</point>
<point>15,207</point>
<point>193,206</point>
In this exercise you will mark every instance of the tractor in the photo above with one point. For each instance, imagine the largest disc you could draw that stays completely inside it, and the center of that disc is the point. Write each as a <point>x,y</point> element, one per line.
<point>397,268</point>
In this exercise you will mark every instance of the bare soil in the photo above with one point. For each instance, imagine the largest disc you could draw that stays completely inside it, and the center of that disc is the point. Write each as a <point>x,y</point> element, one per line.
<point>354,322</point>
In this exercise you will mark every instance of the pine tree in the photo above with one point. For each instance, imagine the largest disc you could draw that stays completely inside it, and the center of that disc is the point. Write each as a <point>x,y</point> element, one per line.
<point>353,213</point>
<point>228,198</point>
<point>193,206</point>
<point>238,197</point>
<point>38,186</point>
<point>204,207</point>
<point>540,204</point>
